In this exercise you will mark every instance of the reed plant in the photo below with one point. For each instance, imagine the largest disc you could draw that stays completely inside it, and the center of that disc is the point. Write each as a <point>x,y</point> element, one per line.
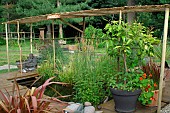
<point>88,73</point>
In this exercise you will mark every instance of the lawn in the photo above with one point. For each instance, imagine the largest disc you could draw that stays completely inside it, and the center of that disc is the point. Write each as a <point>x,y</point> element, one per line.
<point>14,51</point>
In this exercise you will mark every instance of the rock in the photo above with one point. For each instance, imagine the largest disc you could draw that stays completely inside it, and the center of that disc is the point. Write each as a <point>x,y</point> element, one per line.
<point>71,103</point>
<point>89,109</point>
<point>87,104</point>
<point>74,108</point>
<point>166,109</point>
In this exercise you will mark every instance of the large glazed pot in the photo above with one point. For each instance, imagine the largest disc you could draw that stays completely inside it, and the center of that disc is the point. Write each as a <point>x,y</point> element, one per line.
<point>125,101</point>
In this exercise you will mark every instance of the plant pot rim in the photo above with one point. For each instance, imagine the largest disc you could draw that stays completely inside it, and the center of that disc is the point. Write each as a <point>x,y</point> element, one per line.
<point>126,92</point>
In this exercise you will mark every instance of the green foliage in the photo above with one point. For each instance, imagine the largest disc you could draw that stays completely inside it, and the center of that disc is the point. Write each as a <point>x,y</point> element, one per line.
<point>132,81</point>
<point>46,54</point>
<point>133,41</point>
<point>2,41</point>
<point>46,61</point>
<point>147,87</point>
<point>88,74</point>
<point>34,7</point>
<point>46,70</point>
<point>93,36</point>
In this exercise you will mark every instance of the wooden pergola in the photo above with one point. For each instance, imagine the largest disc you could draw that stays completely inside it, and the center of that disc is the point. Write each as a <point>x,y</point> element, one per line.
<point>95,12</point>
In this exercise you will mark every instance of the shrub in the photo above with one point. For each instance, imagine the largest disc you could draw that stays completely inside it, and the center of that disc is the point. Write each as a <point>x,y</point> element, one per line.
<point>88,73</point>
<point>2,41</point>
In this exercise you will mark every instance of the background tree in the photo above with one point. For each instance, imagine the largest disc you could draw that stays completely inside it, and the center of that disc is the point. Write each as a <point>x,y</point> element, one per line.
<point>7,12</point>
<point>13,9</point>
<point>131,17</point>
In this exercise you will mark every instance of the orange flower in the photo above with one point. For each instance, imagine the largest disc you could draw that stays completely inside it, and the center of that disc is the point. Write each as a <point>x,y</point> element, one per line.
<point>140,78</point>
<point>155,85</point>
<point>144,75</point>
<point>151,98</point>
<point>150,75</point>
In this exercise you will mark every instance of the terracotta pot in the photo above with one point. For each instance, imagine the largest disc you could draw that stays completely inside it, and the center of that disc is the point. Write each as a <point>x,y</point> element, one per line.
<point>155,99</point>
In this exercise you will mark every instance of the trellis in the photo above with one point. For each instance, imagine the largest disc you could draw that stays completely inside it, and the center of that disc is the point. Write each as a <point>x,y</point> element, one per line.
<point>89,13</point>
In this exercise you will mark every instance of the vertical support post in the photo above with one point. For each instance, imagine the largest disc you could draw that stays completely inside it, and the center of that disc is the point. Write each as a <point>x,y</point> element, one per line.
<point>53,44</point>
<point>84,26</point>
<point>7,49</point>
<point>19,46</point>
<point>120,17</point>
<point>31,37</point>
<point>163,58</point>
<point>24,37</point>
<point>118,58</point>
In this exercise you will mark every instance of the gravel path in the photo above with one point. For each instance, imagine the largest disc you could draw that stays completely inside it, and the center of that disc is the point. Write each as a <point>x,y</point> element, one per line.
<point>6,67</point>
<point>166,109</point>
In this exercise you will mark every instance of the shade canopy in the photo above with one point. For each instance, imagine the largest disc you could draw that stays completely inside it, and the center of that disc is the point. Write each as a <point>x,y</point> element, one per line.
<point>88,13</point>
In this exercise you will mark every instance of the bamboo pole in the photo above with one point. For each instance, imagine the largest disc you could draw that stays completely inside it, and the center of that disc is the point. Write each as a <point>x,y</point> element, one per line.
<point>120,17</point>
<point>7,49</point>
<point>20,49</point>
<point>163,58</point>
<point>53,44</point>
<point>82,38</point>
<point>31,37</point>
<point>118,58</point>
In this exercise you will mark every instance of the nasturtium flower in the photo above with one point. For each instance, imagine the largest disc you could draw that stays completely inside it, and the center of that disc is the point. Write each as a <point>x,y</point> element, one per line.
<point>140,78</point>
<point>144,75</point>
<point>150,75</point>
<point>155,85</point>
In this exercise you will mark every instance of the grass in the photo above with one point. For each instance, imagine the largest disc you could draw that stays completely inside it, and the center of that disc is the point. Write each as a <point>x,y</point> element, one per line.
<point>6,70</point>
<point>14,53</point>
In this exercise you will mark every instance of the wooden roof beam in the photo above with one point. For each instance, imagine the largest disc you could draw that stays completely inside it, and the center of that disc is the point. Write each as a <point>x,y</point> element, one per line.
<point>71,25</point>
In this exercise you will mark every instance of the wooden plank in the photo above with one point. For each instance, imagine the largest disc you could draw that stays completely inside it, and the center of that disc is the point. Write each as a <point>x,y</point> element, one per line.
<point>108,107</point>
<point>92,12</point>
<point>71,25</point>
<point>25,76</point>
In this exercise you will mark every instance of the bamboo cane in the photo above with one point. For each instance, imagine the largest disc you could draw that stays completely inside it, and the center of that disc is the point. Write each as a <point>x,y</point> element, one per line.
<point>163,58</point>
<point>20,49</point>
<point>7,49</point>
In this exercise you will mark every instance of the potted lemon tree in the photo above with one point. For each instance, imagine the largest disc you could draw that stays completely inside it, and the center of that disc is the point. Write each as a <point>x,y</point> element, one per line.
<point>129,44</point>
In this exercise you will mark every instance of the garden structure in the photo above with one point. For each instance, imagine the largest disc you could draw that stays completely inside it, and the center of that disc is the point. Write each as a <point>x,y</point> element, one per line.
<point>93,12</point>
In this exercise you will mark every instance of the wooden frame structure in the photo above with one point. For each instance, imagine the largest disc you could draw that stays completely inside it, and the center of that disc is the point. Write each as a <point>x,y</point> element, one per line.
<point>97,12</point>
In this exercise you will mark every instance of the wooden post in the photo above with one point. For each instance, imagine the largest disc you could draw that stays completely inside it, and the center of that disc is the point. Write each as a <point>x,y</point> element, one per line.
<point>118,58</point>
<point>31,37</point>
<point>19,46</point>
<point>7,51</point>
<point>84,26</point>
<point>163,58</point>
<point>53,44</point>
<point>24,37</point>
<point>120,17</point>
